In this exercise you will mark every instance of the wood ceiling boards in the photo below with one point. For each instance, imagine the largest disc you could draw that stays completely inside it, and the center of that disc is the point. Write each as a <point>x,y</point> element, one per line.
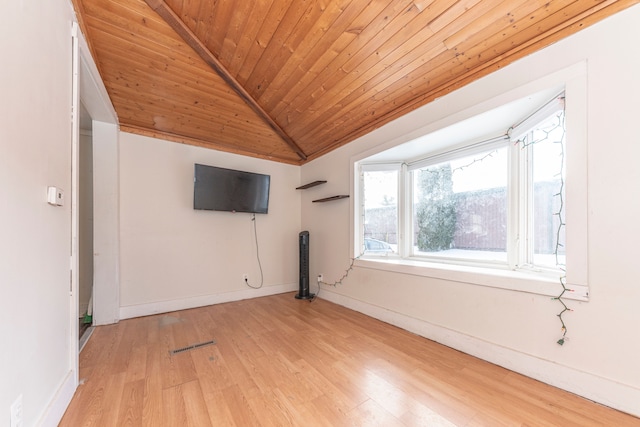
<point>290,80</point>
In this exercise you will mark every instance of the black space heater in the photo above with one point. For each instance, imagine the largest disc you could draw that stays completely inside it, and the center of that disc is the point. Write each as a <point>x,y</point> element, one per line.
<point>303,242</point>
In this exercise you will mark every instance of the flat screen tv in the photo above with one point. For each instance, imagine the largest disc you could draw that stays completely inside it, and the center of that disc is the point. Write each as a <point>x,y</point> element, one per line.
<point>219,189</point>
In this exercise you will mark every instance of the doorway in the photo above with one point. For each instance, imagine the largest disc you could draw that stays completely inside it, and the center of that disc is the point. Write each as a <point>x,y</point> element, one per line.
<point>95,138</point>
<point>85,227</point>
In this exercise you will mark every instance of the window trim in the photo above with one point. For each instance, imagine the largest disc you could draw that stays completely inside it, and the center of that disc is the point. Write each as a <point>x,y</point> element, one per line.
<point>574,81</point>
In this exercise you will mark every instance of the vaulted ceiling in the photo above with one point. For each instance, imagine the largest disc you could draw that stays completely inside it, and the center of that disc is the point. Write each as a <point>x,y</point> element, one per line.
<point>291,80</point>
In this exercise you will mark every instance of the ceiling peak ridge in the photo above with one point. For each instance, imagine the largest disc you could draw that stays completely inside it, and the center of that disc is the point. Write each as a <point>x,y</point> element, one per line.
<point>170,17</point>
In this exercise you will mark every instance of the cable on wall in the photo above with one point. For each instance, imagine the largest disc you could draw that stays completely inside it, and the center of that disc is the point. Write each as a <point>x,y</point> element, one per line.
<point>255,234</point>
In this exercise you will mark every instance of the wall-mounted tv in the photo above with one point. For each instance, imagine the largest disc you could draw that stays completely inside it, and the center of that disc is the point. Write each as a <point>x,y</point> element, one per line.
<point>219,189</point>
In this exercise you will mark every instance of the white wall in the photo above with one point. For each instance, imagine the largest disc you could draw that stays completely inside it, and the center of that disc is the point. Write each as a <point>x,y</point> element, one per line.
<point>173,256</point>
<point>35,238</point>
<point>520,330</point>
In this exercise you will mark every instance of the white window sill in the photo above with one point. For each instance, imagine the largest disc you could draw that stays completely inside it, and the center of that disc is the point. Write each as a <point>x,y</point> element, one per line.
<point>520,281</point>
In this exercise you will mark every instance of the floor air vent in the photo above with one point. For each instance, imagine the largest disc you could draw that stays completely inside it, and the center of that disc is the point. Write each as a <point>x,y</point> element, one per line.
<point>191,347</point>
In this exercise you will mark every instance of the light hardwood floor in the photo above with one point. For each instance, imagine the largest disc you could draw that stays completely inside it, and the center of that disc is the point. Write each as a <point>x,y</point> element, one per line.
<point>280,361</point>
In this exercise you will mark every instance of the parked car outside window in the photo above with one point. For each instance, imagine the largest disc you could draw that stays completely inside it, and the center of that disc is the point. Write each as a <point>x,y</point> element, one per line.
<point>373,245</point>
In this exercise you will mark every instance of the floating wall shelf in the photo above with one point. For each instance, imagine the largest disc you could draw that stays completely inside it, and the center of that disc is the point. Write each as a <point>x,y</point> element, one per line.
<point>328,199</point>
<point>309,185</point>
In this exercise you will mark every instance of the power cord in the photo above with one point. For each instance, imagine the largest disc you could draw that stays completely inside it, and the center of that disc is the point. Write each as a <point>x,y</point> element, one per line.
<point>255,233</point>
<point>313,298</point>
<point>337,282</point>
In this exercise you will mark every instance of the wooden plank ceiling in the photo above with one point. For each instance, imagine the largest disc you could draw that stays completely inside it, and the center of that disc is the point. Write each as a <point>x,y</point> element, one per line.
<point>290,80</point>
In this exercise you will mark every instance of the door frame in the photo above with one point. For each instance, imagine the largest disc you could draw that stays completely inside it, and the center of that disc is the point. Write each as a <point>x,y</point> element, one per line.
<point>88,88</point>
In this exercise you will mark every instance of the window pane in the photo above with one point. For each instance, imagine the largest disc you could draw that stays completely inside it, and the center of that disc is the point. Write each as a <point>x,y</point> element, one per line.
<point>549,196</point>
<point>380,211</point>
<point>460,208</point>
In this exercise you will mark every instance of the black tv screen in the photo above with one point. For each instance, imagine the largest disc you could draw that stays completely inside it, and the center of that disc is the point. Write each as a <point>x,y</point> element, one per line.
<point>219,189</point>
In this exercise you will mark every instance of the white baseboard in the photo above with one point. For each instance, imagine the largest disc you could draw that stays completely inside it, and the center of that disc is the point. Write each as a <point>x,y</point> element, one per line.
<point>139,310</point>
<point>59,403</point>
<point>607,392</point>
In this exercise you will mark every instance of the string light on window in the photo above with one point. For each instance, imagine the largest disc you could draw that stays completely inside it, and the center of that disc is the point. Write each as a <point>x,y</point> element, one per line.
<point>560,214</point>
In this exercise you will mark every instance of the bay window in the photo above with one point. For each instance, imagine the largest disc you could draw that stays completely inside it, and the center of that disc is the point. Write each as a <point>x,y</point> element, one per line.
<point>496,203</point>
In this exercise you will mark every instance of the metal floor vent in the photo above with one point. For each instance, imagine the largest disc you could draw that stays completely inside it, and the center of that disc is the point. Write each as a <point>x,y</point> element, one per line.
<point>191,347</point>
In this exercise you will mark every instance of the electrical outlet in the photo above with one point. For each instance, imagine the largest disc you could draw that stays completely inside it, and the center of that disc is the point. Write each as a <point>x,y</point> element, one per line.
<point>320,278</point>
<point>245,277</point>
<point>16,412</point>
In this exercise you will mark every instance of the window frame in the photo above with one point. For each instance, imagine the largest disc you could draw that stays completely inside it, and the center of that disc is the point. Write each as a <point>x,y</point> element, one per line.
<point>476,148</point>
<point>525,254</point>
<point>573,81</point>
<point>360,238</point>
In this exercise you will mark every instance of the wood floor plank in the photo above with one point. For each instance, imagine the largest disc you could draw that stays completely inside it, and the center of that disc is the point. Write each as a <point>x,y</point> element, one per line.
<point>210,364</point>
<point>130,413</point>
<point>421,415</point>
<point>112,398</point>
<point>324,412</point>
<point>299,390</point>
<point>152,406</point>
<point>152,409</point>
<point>340,399</point>
<point>195,405</point>
<point>388,396</point>
<point>137,363</point>
<point>278,361</point>
<point>176,402</point>
<point>372,414</point>
<point>300,414</point>
<point>184,405</point>
<point>272,411</point>
<point>433,390</point>
<point>219,412</point>
<point>238,404</point>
